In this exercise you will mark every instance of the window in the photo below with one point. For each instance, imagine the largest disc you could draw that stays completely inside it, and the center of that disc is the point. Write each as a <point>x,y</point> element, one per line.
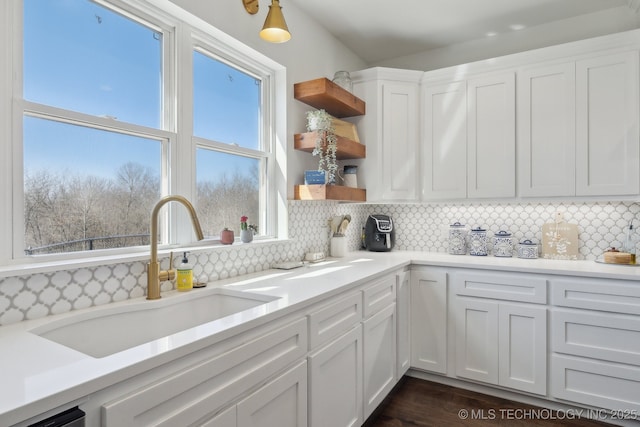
<point>101,139</point>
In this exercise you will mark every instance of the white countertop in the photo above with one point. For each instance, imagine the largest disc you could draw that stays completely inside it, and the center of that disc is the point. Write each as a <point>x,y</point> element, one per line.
<point>38,375</point>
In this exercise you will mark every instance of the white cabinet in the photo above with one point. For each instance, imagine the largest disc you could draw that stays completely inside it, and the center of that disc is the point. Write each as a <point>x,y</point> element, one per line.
<point>282,402</point>
<point>390,130</point>
<point>379,341</point>
<point>469,138</point>
<point>546,131</point>
<point>335,382</point>
<point>499,341</point>
<point>429,319</point>
<point>403,320</point>
<point>607,137</point>
<point>578,127</point>
<point>491,136</point>
<point>595,339</point>
<point>444,141</point>
<point>202,389</point>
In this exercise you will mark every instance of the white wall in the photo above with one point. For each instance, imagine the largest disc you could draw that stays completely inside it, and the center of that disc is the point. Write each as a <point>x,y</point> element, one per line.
<point>311,53</point>
<point>590,25</point>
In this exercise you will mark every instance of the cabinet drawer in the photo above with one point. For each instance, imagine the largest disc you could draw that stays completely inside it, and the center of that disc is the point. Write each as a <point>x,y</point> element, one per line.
<point>601,384</point>
<point>618,296</point>
<point>205,387</point>
<point>511,287</point>
<point>610,337</point>
<point>334,319</point>
<point>379,295</point>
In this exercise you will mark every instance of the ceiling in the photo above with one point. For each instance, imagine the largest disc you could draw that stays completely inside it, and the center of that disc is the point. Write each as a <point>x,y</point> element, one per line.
<point>379,30</point>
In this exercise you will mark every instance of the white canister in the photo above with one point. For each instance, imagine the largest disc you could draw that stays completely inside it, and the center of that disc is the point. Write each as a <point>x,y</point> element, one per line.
<point>338,246</point>
<point>528,249</point>
<point>349,176</point>
<point>502,246</point>
<point>478,242</point>
<point>457,239</point>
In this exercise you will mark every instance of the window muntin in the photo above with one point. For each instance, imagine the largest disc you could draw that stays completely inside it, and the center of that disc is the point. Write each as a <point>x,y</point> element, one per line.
<point>83,57</point>
<point>226,103</point>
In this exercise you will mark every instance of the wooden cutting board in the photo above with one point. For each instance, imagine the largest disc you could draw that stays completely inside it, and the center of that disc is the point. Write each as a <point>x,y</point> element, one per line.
<point>560,240</point>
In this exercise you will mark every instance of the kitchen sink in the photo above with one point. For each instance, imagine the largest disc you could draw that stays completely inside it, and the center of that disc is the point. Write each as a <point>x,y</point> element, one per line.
<point>100,332</point>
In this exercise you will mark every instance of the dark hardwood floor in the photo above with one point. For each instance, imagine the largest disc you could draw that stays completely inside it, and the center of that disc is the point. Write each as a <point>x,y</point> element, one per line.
<point>416,402</point>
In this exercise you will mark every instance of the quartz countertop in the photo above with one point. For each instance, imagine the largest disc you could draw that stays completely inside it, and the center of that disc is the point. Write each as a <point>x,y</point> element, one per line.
<point>39,375</point>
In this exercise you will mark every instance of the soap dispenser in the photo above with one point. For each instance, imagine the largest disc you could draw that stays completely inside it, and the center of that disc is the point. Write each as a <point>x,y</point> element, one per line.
<point>184,281</point>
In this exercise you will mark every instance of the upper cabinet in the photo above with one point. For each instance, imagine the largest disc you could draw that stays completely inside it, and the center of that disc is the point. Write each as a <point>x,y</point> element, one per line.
<point>578,128</point>
<point>469,138</point>
<point>391,132</point>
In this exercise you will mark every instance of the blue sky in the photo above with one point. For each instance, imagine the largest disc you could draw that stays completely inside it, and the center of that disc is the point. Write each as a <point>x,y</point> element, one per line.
<point>82,57</point>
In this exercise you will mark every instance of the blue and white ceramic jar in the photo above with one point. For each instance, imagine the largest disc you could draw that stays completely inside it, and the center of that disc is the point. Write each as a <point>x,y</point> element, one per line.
<point>457,239</point>
<point>528,249</point>
<point>478,242</point>
<point>502,245</point>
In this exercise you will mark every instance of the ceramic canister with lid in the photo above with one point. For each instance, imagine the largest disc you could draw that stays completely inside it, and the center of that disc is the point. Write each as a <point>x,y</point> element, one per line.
<point>528,249</point>
<point>457,239</point>
<point>478,242</point>
<point>502,246</point>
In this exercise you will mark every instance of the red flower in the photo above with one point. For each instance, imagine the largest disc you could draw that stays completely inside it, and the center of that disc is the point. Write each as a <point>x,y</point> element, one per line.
<point>243,219</point>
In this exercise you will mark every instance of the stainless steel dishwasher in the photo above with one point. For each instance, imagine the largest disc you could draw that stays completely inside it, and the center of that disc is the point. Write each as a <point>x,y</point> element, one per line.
<point>73,417</point>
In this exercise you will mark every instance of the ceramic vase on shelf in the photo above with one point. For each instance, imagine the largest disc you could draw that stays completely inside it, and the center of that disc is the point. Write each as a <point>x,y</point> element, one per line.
<point>226,237</point>
<point>343,79</point>
<point>246,236</point>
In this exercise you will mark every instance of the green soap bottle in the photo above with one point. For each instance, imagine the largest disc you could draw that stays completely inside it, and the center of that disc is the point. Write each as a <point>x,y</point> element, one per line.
<point>184,278</point>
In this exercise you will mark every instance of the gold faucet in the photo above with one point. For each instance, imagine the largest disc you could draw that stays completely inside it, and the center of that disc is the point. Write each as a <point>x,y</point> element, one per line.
<point>154,274</point>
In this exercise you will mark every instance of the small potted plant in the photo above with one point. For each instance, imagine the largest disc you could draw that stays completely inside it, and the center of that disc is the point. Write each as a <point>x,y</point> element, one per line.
<point>247,230</point>
<point>226,236</point>
<point>326,143</point>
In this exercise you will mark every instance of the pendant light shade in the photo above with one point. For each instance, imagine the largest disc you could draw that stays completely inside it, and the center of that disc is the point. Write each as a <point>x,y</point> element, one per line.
<point>275,28</point>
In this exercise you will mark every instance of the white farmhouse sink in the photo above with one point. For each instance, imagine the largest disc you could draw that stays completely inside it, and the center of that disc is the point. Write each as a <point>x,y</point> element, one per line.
<point>100,332</point>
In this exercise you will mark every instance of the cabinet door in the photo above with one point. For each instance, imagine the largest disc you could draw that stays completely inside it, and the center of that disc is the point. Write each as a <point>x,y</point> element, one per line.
<point>546,131</point>
<point>445,142</point>
<point>379,354</point>
<point>403,339</point>
<point>281,402</point>
<point>476,340</point>
<point>335,382</point>
<point>523,348</point>
<point>607,139</point>
<point>399,141</point>
<point>491,120</point>
<point>226,418</point>
<point>429,320</point>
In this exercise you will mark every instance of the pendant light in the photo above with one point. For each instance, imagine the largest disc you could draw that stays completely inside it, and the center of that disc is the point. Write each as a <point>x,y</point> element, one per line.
<point>275,28</point>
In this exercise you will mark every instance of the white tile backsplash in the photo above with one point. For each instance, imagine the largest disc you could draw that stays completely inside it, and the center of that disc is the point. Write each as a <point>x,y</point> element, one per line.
<point>419,227</point>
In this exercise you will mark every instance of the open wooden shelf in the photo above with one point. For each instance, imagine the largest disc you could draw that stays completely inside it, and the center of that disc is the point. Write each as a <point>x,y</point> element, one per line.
<point>347,148</point>
<point>324,94</point>
<point>329,192</point>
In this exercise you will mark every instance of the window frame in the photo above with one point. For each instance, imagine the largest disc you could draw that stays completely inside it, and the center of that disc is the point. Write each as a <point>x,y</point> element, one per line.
<point>182,33</point>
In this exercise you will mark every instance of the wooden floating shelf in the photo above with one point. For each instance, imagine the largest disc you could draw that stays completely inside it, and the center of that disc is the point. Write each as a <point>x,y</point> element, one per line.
<point>324,94</point>
<point>329,192</point>
<point>347,148</point>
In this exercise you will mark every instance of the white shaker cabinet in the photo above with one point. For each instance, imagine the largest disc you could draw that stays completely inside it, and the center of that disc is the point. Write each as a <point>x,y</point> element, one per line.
<point>469,138</point>
<point>578,128</point>
<point>491,136</point>
<point>607,138</point>
<point>498,340</point>
<point>444,148</point>
<point>403,320</point>
<point>390,130</point>
<point>546,131</point>
<point>429,319</point>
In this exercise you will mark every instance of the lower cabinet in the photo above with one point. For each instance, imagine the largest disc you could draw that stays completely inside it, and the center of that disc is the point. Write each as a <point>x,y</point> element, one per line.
<point>429,320</point>
<point>403,323</point>
<point>335,382</point>
<point>282,402</point>
<point>379,357</point>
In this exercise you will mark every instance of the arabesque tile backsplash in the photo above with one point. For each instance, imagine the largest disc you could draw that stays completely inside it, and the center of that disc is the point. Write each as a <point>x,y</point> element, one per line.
<point>419,227</point>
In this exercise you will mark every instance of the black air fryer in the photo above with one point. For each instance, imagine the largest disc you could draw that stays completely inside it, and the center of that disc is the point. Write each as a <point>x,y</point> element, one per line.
<point>379,235</point>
